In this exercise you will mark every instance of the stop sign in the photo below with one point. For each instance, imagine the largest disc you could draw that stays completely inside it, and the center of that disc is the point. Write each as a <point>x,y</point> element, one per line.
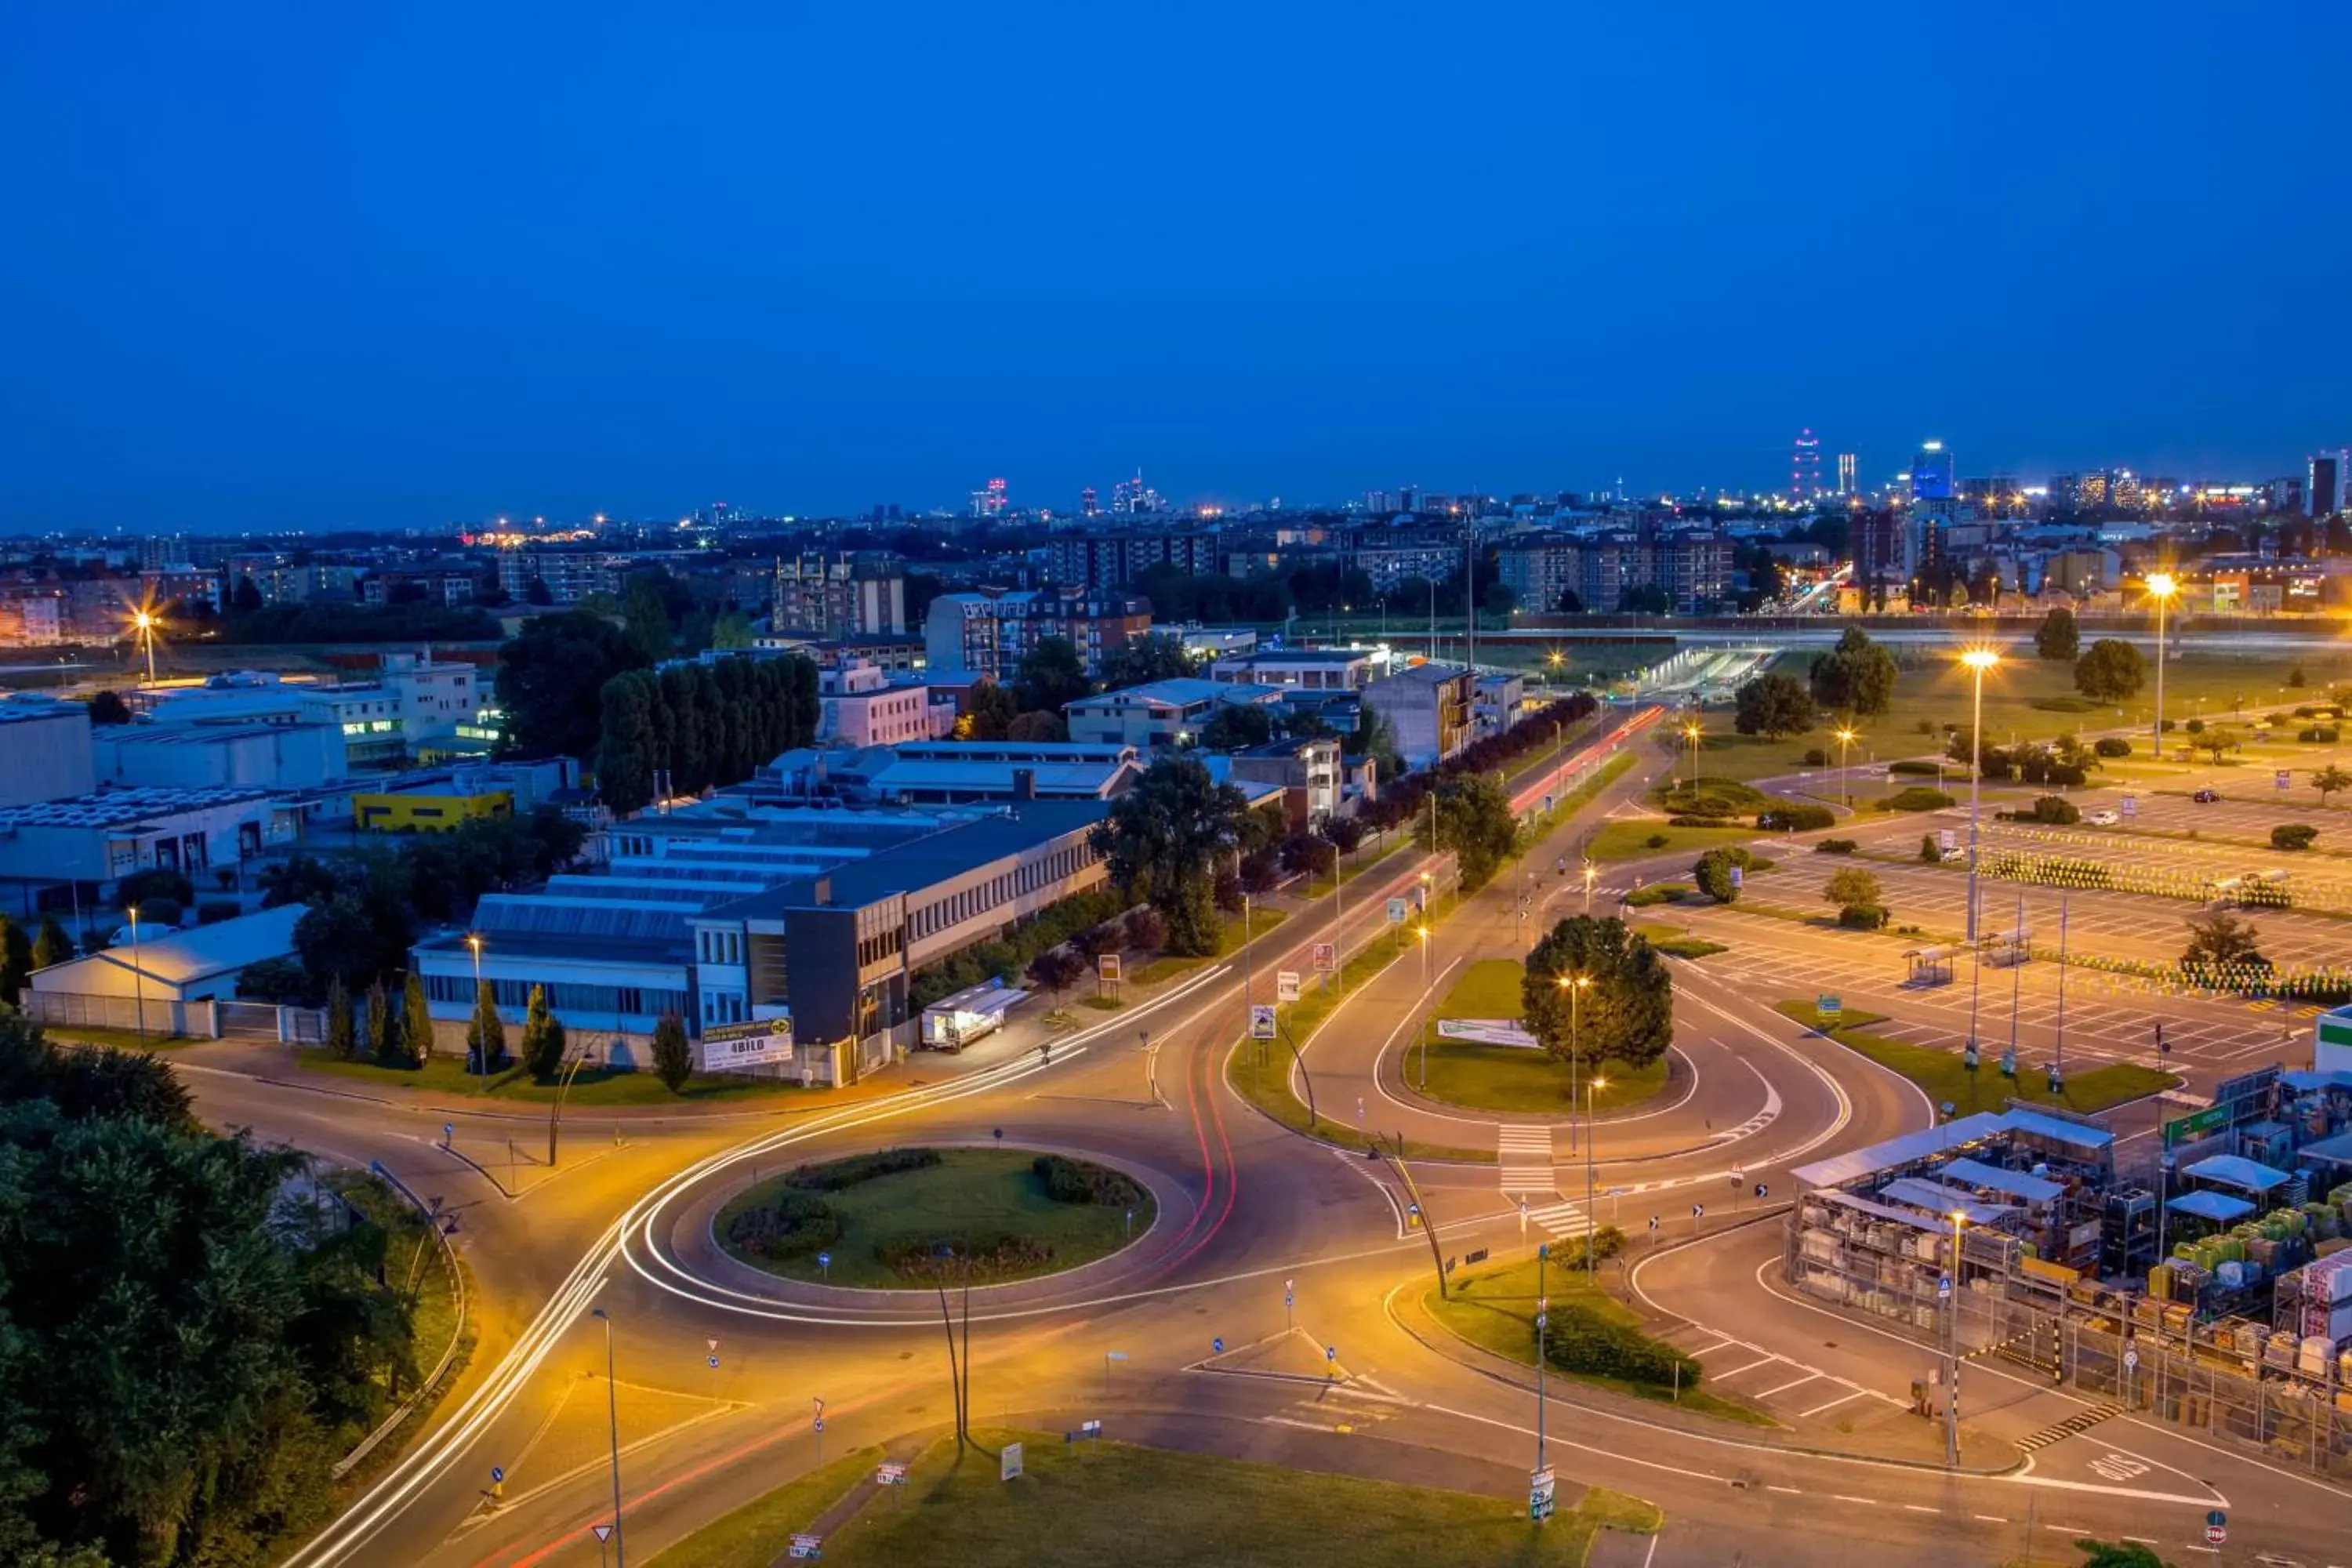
<point>2215,1534</point>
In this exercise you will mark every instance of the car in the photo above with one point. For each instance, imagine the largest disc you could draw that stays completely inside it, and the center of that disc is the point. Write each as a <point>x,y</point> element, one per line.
<point>1953,856</point>
<point>2103,819</point>
<point>2206,796</point>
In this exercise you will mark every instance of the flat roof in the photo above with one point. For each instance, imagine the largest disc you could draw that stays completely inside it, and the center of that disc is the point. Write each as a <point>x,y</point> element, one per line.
<point>1911,1147</point>
<point>2017,1184</point>
<point>2090,1139</point>
<point>922,862</point>
<point>1921,1193</point>
<point>124,808</point>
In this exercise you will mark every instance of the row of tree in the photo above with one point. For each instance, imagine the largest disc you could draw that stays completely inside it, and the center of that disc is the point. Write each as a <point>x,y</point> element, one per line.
<point>706,725</point>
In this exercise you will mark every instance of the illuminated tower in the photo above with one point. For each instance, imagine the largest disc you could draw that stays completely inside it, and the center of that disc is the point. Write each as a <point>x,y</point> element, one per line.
<point>1805,468</point>
<point>1088,506</point>
<point>1845,473</point>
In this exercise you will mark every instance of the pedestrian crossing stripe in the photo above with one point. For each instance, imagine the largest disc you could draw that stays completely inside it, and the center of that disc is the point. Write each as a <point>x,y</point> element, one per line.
<point>1561,1219</point>
<point>2059,1431</point>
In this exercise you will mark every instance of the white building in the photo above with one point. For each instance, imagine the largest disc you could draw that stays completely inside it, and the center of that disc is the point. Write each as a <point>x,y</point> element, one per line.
<point>57,851</point>
<point>214,755</point>
<point>414,701</point>
<point>860,707</point>
<point>44,749</point>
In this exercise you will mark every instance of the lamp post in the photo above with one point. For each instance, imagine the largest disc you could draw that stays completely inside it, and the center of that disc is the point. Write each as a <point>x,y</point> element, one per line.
<point>482,1046</point>
<point>146,625</point>
<point>613,1428</point>
<point>1952,1352</point>
<point>1591,874</point>
<point>1845,737</point>
<point>1424,933</point>
<point>1591,1136</point>
<point>1574,985</point>
<point>1543,1256</point>
<point>2161,587</point>
<point>1691,733</point>
<point>1978,660</point>
<point>138,980</point>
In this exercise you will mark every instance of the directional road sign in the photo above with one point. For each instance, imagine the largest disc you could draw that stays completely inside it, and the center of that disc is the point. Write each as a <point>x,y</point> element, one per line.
<point>1261,1020</point>
<point>1285,985</point>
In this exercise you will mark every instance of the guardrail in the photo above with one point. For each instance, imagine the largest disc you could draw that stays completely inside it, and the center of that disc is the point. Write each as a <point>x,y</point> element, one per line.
<point>432,1382</point>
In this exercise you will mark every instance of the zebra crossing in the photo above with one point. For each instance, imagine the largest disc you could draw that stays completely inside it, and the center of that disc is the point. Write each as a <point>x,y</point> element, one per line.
<point>2059,1431</point>
<point>1524,1157</point>
<point>1562,1219</point>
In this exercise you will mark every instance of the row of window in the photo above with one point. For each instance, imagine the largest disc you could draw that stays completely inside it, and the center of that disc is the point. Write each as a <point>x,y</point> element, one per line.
<point>718,946</point>
<point>944,913</point>
<point>723,1008</point>
<point>562,996</point>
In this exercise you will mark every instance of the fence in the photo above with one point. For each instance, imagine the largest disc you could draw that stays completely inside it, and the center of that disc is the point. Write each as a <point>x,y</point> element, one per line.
<point>203,1018</point>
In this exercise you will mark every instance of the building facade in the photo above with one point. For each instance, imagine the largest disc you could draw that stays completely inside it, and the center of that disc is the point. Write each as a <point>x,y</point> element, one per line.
<point>854,594</point>
<point>988,634</point>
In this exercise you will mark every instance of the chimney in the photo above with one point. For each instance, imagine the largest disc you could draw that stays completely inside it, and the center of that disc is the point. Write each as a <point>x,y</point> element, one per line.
<point>1025,784</point>
<point>824,892</point>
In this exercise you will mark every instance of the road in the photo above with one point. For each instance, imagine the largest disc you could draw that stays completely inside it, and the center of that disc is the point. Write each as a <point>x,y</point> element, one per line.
<point>1350,1372</point>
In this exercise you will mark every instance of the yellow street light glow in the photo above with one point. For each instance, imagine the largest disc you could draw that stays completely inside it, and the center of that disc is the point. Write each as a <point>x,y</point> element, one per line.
<point>1600,1083</point>
<point>143,620</point>
<point>1846,735</point>
<point>2161,584</point>
<point>1980,659</point>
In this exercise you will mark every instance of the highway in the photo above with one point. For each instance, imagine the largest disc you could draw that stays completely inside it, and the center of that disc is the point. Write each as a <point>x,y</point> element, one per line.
<point>1350,1375</point>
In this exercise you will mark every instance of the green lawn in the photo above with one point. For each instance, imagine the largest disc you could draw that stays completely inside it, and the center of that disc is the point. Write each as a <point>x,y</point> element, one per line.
<point>1674,944</point>
<point>1947,1081</point>
<point>120,1039</point>
<point>974,1193</point>
<point>1229,942</point>
<point>759,1532</point>
<point>594,1088</point>
<point>2023,696</point>
<point>1623,840</point>
<point>1082,1506</point>
<point>1495,1309</point>
<point>1506,1077</point>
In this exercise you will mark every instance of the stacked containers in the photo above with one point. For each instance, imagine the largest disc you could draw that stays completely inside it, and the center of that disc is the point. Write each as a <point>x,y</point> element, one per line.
<point>2327,1299</point>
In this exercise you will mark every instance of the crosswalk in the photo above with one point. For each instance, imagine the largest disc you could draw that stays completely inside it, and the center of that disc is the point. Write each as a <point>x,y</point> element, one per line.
<point>1524,1155</point>
<point>1561,1219</point>
<point>2059,1431</point>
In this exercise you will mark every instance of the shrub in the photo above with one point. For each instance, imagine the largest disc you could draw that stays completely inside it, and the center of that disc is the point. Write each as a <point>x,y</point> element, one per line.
<point>1930,851</point>
<point>1862,917</point>
<point>2319,734</point>
<point>1662,893</point>
<point>1657,841</point>
<point>2055,810</point>
<point>1836,846</point>
<point>2306,711</point>
<point>2292,836</point>
<point>1069,1181</point>
<point>213,909</point>
<point>1686,820</point>
<point>1917,765</point>
<point>1713,874</point>
<point>990,1254</point>
<point>2112,746</point>
<point>1577,1339</point>
<point>793,1226</point>
<point>836,1174</point>
<point>1917,798</point>
<point>1816,758</point>
<point>1792,818</point>
<point>2195,726</point>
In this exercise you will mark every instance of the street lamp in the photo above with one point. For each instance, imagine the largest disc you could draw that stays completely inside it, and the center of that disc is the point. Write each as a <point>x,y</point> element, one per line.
<point>1574,985</point>
<point>1952,1352</point>
<point>1423,931</point>
<point>612,1427</point>
<point>138,980</point>
<point>1591,874</point>
<point>146,625</point>
<point>1845,737</point>
<point>1543,1308</point>
<point>482,1046</point>
<point>1591,1136</point>
<point>2161,587</point>
<point>1979,661</point>
<point>1691,733</point>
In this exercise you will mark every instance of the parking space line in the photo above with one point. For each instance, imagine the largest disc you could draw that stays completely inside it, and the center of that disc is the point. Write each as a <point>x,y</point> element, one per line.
<point>1765,1360</point>
<point>1783,1388</point>
<point>1833,1404</point>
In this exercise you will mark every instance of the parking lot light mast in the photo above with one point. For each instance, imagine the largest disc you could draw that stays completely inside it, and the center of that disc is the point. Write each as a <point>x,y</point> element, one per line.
<point>1978,660</point>
<point>1591,1136</point>
<point>1845,737</point>
<point>2161,587</point>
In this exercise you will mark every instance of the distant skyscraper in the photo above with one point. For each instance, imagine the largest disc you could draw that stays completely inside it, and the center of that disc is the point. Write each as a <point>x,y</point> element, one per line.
<point>988,501</point>
<point>1087,505</point>
<point>1845,466</point>
<point>1805,467</point>
<point>2324,490</point>
<point>1931,473</point>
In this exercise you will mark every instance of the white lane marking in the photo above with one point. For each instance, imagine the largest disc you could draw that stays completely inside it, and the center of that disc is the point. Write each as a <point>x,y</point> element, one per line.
<point>1792,1491</point>
<point>1921,1508</point>
<point>1866,1502</point>
<point>1786,1386</point>
<point>1718,1344</point>
<point>1833,1404</point>
<point>1992,1518</point>
<point>1746,1366</point>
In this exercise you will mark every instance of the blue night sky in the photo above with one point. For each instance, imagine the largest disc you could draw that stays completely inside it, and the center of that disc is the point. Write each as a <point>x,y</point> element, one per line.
<point>321,265</point>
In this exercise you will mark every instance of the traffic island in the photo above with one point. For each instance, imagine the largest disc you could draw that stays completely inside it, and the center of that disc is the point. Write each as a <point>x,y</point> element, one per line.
<point>906,1219</point>
<point>1084,1503</point>
<point>1481,1075</point>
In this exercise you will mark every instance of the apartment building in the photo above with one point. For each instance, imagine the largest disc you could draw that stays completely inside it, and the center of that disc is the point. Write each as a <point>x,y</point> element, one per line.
<point>990,633</point>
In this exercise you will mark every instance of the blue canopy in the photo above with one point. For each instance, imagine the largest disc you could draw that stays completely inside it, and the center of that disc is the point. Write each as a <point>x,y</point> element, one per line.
<point>2219,1207</point>
<point>2237,1170</point>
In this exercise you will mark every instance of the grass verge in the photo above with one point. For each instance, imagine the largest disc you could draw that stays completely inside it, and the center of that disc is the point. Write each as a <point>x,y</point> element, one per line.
<point>981,1194</point>
<point>1640,841</point>
<point>1674,944</point>
<point>1509,1078</point>
<point>1946,1081</point>
<point>1078,1507</point>
<point>761,1531</point>
<point>118,1039</point>
<point>594,1087</point>
<point>1229,941</point>
<point>1495,1309</point>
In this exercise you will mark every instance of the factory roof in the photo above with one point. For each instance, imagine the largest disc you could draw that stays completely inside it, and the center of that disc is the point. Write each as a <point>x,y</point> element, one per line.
<point>919,863</point>
<point>2017,1184</point>
<point>123,807</point>
<point>1947,1201</point>
<point>1910,1147</point>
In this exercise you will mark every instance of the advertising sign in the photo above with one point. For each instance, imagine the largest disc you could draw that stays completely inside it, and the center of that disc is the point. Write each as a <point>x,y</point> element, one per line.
<point>1008,1463</point>
<point>1107,966</point>
<point>1396,911</point>
<point>1261,1021</point>
<point>1285,985</point>
<point>755,1043</point>
<point>1327,957</point>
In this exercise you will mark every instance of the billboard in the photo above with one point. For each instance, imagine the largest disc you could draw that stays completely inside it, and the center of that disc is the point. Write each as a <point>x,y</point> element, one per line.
<point>740,1047</point>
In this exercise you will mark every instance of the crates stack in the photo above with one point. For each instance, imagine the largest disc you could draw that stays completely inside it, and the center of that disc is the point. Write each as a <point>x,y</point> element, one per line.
<point>2325,1298</point>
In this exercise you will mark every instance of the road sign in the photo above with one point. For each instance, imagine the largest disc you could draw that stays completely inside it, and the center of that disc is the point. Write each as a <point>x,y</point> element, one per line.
<point>818,1424</point>
<point>1330,1352</point>
<point>2131,806</point>
<point>1107,965</point>
<point>1327,957</point>
<point>711,1346</point>
<point>1946,839</point>
<point>2282,779</point>
<point>448,1134</point>
<point>1943,1287</point>
<point>1285,985</point>
<point>824,1260</point>
<point>1698,1211</point>
<point>1261,1020</point>
<point>808,1547</point>
<point>1217,1345</point>
<point>1829,1006</point>
<point>1547,801</point>
<point>2215,1534</point>
<point>1090,1428</point>
<point>1763,1189</point>
<point>714,1362</point>
<point>1540,1495</point>
<point>2204,1121</point>
<point>1654,1222</point>
<point>602,1532</point>
<point>2131,1361</point>
<point>498,1474</point>
<point>1008,1463</point>
<point>2217,1519</point>
<point>889,1473</point>
<point>1738,876</point>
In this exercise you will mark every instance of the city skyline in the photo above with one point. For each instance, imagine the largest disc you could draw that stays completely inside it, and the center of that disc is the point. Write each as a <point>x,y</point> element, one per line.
<point>436,274</point>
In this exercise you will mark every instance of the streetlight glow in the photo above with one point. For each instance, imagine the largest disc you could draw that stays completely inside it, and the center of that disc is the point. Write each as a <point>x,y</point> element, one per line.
<point>2162,584</point>
<point>1980,659</point>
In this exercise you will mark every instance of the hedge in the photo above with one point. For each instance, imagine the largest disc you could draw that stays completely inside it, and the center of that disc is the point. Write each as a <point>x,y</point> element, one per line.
<point>793,1226</point>
<point>1915,765</point>
<point>835,1174</point>
<point>1069,1181</point>
<point>1836,846</point>
<point>1008,955</point>
<point>1918,798</point>
<point>2112,746</point>
<point>1793,817</point>
<point>1577,1339</point>
<point>1862,917</point>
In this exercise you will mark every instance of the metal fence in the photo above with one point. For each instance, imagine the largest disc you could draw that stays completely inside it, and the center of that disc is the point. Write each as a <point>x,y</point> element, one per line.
<point>93,1010</point>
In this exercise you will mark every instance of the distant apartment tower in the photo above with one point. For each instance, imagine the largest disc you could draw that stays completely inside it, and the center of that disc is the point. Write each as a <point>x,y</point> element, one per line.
<point>988,634</point>
<point>2322,490</point>
<point>1089,562</point>
<point>1931,472</point>
<point>1541,571</point>
<point>856,594</point>
<point>1805,467</point>
<point>989,500</point>
<point>1879,549</point>
<point>1845,466</point>
<point>566,576</point>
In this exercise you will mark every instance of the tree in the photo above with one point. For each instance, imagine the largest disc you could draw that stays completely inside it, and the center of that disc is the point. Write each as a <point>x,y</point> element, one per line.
<point>2292,836</point>
<point>989,714</point>
<point>1851,886</point>
<point>108,707</point>
<point>16,957</point>
<point>551,679</point>
<point>537,592</point>
<point>1139,661</point>
<point>246,598</point>
<point>2295,678</point>
<point>1624,1012</point>
<point>1160,841</point>
<point>673,1056</point>
<point>486,1033</point>
<point>1237,724</point>
<point>298,879</point>
<point>543,1041</point>
<point>1712,875</point>
<point>2219,939</point>
<point>1146,932</point>
<point>1773,705</point>
<point>1056,970</point>
<point>415,1021</point>
<point>2328,780</point>
<point>2110,670</point>
<point>646,614</point>
<point>1645,599</point>
<point>1475,822</point>
<point>383,1038</point>
<point>1930,851</point>
<point>155,884</point>
<point>336,941</point>
<point>731,631</point>
<point>1344,832</point>
<point>2099,1553</point>
<point>1052,674</point>
<point>1856,677</point>
<point>53,946</point>
<point>2058,637</point>
<point>282,980</point>
<point>2215,744</point>
<point>626,746</point>
<point>342,1037</point>
<point>1038,725</point>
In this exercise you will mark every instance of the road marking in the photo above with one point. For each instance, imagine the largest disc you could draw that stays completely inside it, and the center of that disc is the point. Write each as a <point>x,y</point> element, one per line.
<point>1921,1508</point>
<point>1710,1349</point>
<point>1992,1518</point>
<point>1751,1366</point>
<point>1784,1387</point>
<point>1792,1491</point>
<point>2066,1529</point>
<point>1833,1404</point>
<point>1302,1425</point>
<point>1866,1502</point>
<point>2143,1540</point>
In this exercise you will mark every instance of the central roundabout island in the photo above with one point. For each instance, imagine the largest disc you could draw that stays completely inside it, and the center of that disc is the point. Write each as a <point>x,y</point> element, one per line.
<point>910,1218</point>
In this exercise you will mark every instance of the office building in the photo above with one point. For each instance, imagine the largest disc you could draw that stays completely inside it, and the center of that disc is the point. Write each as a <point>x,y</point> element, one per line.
<point>44,749</point>
<point>860,706</point>
<point>851,594</point>
<point>414,701</point>
<point>2324,488</point>
<point>1541,571</point>
<point>1845,473</point>
<point>950,772</point>
<point>1428,709</point>
<point>1931,473</point>
<point>988,633</point>
<point>1301,670</point>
